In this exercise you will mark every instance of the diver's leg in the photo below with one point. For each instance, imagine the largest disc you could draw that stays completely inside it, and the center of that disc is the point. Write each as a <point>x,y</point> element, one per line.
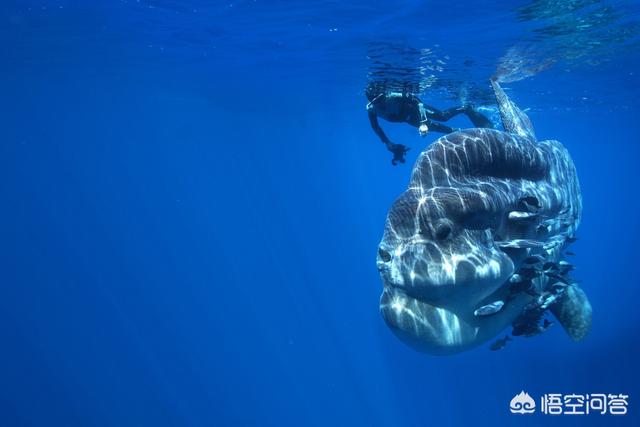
<point>443,116</point>
<point>421,116</point>
<point>439,127</point>
<point>479,120</point>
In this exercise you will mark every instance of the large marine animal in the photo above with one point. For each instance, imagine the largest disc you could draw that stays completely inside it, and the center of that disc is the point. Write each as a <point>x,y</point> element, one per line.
<point>476,243</point>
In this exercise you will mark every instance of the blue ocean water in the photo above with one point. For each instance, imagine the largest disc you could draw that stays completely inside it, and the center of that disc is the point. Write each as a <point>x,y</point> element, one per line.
<point>192,199</point>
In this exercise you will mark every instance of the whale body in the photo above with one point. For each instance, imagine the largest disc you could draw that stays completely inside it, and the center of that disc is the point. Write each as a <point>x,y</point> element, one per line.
<point>485,212</point>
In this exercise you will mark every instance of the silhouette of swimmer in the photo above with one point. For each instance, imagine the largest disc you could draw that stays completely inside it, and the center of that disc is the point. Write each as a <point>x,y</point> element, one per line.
<point>405,107</point>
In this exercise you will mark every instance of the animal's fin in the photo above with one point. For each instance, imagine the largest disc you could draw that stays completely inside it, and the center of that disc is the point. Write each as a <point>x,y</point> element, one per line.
<point>573,311</point>
<point>514,119</point>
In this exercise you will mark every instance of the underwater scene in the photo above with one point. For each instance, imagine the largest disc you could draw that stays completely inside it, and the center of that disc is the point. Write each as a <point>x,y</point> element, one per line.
<point>320,213</point>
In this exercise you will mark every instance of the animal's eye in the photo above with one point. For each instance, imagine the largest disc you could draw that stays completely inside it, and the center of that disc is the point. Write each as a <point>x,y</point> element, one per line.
<point>384,255</point>
<point>442,231</point>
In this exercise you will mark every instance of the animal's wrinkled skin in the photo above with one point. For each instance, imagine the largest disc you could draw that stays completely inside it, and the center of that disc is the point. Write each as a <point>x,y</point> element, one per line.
<point>479,202</point>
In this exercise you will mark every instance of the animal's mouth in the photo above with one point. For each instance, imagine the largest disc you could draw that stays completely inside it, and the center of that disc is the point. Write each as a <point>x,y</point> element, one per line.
<point>445,326</point>
<point>431,307</point>
<point>426,327</point>
<point>432,274</point>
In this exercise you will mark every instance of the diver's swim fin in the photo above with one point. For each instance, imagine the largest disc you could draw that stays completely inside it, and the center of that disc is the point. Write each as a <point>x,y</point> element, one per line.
<point>573,311</point>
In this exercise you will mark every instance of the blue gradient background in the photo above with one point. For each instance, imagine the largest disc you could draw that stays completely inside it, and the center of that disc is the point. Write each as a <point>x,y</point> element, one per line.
<point>192,242</point>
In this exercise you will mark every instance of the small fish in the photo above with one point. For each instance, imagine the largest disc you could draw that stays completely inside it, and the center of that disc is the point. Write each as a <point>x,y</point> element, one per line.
<point>559,278</point>
<point>489,309</point>
<point>549,266</point>
<point>519,329</point>
<point>520,243</point>
<point>500,343</point>
<point>509,297</point>
<point>529,273</point>
<point>516,278</point>
<point>538,329</point>
<point>522,286</point>
<point>521,216</point>
<point>565,265</point>
<point>569,253</point>
<point>532,200</point>
<point>549,300</point>
<point>571,239</point>
<point>533,307</point>
<point>552,244</point>
<point>542,230</point>
<point>532,292</point>
<point>534,259</point>
<point>529,203</point>
<point>526,324</point>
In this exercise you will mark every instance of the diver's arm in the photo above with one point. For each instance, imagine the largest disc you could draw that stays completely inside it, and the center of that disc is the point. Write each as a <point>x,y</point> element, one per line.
<point>398,150</point>
<point>373,119</point>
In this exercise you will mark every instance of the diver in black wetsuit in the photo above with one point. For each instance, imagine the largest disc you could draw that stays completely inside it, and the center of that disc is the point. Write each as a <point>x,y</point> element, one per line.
<point>407,108</point>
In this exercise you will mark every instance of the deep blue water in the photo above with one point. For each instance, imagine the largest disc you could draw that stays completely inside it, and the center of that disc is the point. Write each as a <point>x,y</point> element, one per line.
<point>192,199</point>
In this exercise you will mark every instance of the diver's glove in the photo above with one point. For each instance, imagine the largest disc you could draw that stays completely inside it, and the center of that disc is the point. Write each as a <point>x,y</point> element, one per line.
<point>398,151</point>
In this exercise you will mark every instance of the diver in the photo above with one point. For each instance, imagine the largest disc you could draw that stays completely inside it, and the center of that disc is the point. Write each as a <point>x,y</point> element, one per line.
<point>405,107</point>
